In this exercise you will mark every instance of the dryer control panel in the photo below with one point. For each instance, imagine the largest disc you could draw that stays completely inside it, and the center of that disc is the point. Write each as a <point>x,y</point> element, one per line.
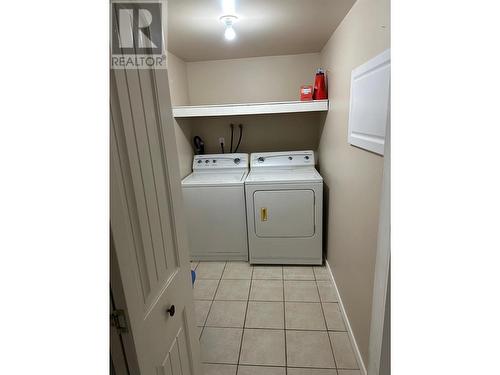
<point>220,161</point>
<point>282,159</point>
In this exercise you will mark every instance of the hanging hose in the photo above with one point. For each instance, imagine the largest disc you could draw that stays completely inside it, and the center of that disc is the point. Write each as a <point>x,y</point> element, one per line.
<point>199,145</point>
<point>239,139</point>
<point>232,132</point>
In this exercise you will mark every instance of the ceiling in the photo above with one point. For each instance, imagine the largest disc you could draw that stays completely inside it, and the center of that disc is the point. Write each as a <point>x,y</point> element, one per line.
<point>264,27</point>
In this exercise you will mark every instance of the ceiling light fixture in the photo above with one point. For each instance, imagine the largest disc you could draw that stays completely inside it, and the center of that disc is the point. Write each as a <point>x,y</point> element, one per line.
<point>228,21</point>
<point>228,6</point>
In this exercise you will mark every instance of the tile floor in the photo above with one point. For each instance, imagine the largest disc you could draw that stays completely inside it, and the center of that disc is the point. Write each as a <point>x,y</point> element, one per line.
<point>270,320</point>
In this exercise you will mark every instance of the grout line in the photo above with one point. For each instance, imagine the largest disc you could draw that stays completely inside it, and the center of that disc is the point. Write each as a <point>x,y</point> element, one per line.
<point>276,366</point>
<point>244,322</point>
<point>263,279</point>
<point>206,318</point>
<point>212,300</point>
<point>326,326</point>
<point>277,329</point>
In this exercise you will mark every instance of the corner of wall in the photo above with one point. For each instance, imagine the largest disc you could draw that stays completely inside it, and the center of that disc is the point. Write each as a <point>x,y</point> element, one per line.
<point>177,75</point>
<point>179,93</point>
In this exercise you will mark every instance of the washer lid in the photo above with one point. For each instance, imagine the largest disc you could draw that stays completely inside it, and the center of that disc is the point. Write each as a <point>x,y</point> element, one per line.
<point>291,175</point>
<point>226,178</point>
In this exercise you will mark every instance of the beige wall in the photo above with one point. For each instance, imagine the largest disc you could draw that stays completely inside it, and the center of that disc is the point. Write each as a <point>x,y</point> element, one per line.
<point>256,79</point>
<point>177,80</point>
<point>284,132</point>
<point>352,176</point>
<point>177,77</point>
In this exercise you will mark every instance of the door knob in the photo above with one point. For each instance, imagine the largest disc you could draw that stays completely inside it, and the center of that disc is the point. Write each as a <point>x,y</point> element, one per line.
<point>171,310</point>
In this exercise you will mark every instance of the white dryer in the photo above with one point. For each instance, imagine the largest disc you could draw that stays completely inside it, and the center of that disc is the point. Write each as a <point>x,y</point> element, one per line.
<point>214,198</point>
<point>284,196</point>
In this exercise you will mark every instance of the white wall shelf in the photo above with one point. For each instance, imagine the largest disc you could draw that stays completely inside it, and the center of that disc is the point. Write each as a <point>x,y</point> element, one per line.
<point>250,108</point>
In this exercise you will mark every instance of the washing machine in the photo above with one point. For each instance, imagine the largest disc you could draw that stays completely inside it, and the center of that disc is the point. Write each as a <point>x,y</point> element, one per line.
<point>214,199</point>
<point>284,197</point>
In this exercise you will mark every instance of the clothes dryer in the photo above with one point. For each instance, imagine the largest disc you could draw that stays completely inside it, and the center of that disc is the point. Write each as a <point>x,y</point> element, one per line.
<point>284,198</point>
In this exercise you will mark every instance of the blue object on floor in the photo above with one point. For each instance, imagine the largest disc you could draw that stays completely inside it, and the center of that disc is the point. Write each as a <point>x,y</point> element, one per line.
<point>193,276</point>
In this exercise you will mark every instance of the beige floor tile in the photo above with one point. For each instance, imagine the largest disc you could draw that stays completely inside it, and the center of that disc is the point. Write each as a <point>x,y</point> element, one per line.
<point>220,345</point>
<point>261,370</point>
<point>205,289</point>
<point>321,273</point>
<point>333,317</point>
<point>233,290</point>
<point>327,291</point>
<point>309,349</point>
<point>266,290</point>
<point>227,314</point>
<point>342,349</point>
<point>304,315</point>
<point>349,372</point>
<point>297,273</point>
<point>263,347</point>
<point>311,371</point>
<point>238,270</point>
<point>201,309</point>
<point>265,315</point>
<point>267,273</point>
<point>216,369</point>
<point>210,270</point>
<point>301,291</point>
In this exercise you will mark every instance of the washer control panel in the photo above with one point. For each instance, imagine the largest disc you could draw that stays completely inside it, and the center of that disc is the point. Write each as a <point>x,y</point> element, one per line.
<point>282,159</point>
<point>220,161</point>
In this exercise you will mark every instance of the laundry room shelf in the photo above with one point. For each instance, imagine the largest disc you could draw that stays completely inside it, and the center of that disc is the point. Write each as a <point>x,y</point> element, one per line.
<point>250,108</point>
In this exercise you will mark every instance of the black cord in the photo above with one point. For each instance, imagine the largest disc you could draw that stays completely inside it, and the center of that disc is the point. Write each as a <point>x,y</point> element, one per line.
<point>239,140</point>
<point>222,147</point>
<point>232,132</point>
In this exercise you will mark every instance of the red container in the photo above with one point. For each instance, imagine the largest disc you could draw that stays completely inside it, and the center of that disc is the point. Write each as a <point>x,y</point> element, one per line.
<point>306,92</point>
<point>320,86</point>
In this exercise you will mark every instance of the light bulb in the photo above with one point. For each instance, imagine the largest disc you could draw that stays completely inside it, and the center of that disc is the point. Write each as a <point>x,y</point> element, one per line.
<point>229,34</point>
<point>228,20</point>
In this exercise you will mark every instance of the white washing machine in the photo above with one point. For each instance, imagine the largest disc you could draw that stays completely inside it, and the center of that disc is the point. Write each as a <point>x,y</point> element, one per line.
<point>214,198</point>
<point>284,196</point>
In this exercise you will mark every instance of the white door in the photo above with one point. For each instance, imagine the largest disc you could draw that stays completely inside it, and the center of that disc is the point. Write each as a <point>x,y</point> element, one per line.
<point>284,213</point>
<point>147,224</point>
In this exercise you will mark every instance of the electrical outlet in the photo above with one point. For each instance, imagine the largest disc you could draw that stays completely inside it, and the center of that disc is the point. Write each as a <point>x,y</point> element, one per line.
<point>221,140</point>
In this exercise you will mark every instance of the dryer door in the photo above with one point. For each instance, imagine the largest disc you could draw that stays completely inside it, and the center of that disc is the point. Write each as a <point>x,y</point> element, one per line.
<point>284,213</point>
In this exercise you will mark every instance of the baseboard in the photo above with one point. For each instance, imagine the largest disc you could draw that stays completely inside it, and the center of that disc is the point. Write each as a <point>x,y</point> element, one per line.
<point>357,353</point>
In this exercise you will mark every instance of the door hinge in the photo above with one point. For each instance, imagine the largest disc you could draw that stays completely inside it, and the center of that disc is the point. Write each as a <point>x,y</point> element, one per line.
<point>119,321</point>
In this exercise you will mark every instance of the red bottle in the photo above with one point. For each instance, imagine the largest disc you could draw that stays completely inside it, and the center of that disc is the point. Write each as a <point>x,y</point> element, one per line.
<point>320,86</point>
